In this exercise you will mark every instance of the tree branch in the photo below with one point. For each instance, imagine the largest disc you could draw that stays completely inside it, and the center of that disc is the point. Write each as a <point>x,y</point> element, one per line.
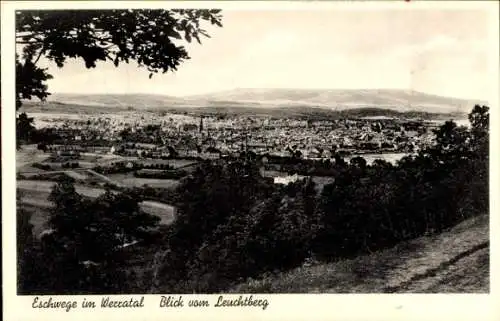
<point>29,42</point>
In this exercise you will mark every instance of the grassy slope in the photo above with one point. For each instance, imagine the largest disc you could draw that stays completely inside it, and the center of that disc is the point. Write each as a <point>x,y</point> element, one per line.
<point>28,155</point>
<point>455,261</point>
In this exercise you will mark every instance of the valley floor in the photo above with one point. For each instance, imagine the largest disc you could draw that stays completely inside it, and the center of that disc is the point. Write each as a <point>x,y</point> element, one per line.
<point>455,261</point>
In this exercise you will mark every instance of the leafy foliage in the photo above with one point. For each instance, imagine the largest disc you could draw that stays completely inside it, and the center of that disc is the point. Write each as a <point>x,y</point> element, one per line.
<point>83,251</point>
<point>145,36</point>
<point>152,38</point>
<point>25,251</point>
<point>228,230</point>
<point>24,127</point>
<point>30,80</point>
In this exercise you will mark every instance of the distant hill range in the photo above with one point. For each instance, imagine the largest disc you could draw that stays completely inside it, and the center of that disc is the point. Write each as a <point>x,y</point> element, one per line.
<point>263,101</point>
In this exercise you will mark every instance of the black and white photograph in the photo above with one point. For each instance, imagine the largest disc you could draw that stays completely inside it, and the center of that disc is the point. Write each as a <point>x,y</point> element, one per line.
<point>216,150</point>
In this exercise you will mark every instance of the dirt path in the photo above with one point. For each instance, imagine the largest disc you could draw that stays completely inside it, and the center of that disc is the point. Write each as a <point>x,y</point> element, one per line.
<point>105,178</point>
<point>460,272</point>
<point>455,261</point>
<point>438,255</point>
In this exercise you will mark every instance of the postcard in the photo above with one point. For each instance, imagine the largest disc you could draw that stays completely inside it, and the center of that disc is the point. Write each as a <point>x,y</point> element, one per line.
<point>329,160</point>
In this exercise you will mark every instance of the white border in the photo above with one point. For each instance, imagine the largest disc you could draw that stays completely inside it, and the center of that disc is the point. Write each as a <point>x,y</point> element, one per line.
<point>286,307</point>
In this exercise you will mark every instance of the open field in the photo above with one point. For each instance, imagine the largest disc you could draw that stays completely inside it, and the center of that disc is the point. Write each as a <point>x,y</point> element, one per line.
<point>128,179</point>
<point>102,158</point>
<point>77,174</point>
<point>103,178</point>
<point>90,157</point>
<point>39,216</point>
<point>28,155</point>
<point>34,198</point>
<point>175,163</point>
<point>46,187</point>
<point>151,182</point>
<point>164,211</point>
<point>80,175</point>
<point>40,209</point>
<point>83,157</point>
<point>451,262</point>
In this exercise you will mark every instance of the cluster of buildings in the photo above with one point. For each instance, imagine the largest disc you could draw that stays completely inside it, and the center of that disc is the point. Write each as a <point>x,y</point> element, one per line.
<point>187,136</point>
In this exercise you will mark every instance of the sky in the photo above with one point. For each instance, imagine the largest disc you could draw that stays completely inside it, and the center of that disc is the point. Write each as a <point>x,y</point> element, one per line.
<point>442,52</point>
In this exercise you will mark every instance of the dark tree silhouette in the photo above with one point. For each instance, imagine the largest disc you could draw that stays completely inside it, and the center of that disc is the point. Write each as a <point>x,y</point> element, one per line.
<point>479,119</point>
<point>84,249</point>
<point>24,128</point>
<point>152,38</point>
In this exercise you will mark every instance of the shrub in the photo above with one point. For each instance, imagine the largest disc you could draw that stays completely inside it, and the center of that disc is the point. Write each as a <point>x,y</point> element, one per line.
<point>42,147</point>
<point>160,174</point>
<point>46,167</point>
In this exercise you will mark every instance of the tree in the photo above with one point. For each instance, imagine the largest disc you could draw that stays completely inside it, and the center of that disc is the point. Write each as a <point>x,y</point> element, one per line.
<point>25,250</point>
<point>24,128</point>
<point>339,160</point>
<point>213,209</point>
<point>358,162</point>
<point>452,143</point>
<point>30,79</point>
<point>152,38</point>
<point>86,243</point>
<point>479,120</point>
<point>297,154</point>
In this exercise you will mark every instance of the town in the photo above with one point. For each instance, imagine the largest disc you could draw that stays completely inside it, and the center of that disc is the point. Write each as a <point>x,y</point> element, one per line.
<point>149,136</point>
<point>154,152</point>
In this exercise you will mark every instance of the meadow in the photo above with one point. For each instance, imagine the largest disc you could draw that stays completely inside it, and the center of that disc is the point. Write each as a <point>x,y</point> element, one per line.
<point>128,180</point>
<point>44,187</point>
<point>33,197</point>
<point>35,184</point>
<point>175,163</point>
